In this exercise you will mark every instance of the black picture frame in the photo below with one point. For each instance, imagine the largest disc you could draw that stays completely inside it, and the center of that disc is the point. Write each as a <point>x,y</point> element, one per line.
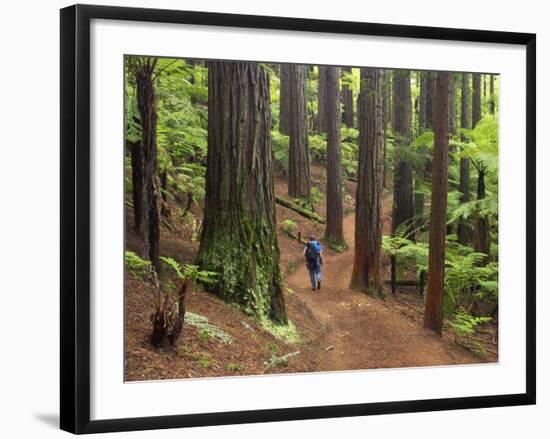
<point>75,217</point>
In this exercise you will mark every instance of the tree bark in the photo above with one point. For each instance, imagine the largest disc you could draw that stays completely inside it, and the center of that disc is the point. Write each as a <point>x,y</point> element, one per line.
<point>492,94</point>
<point>433,317</point>
<point>367,264</point>
<point>452,106</point>
<point>403,179</point>
<point>463,229</point>
<point>298,155</point>
<point>482,243</point>
<point>334,230</point>
<point>476,99</point>
<point>284,99</point>
<point>422,97</point>
<point>147,105</point>
<point>239,239</point>
<point>347,100</point>
<point>430,85</point>
<point>386,92</point>
<point>321,113</point>
<point>403,197</point>
<point>138,195</point>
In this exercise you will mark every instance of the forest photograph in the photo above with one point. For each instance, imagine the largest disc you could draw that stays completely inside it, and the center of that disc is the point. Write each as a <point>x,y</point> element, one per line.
<point>292,218</point>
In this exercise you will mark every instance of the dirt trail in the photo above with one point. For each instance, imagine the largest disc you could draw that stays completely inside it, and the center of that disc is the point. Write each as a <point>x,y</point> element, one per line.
<point>363,332</point>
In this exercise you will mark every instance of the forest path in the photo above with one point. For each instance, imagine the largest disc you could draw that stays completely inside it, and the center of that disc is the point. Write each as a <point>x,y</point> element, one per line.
<point>361,332</point>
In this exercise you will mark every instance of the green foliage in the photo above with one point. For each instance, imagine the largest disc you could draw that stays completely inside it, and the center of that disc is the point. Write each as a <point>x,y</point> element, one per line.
<point>282,361</point>
<point>233,367</point>
<point>287,333</point>
<point>190,272</point>
<point>464,323</point>
<point>280,144</point>
<point>289,227</point>
<point>466,280</point>
<point>315,196</point>
<point>138,267</point>
<point>202,359</point>
<point>206,329</point>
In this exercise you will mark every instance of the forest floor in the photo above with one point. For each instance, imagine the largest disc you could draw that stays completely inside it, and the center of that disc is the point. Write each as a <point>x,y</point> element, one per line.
<point>338,329</point>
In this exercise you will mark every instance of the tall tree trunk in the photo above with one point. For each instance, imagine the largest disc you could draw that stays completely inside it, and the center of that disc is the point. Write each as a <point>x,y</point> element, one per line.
<point>334,230</point>
<point>430,86</point>
<point>433,316</point>
<point>347,100</point>
<point>476,98</point>
<point>403,178</point>
<point>284,99</point>
<point>422,106</point>
<point>492,94</point>
<point>463,229</point>
<point>298,155</point>
<point>386,92</point>
<point>367,264</point>
<point>239,239</point>
<point>138,193</point>
<point>403,198</point>
<point>321,113</point>
<point>147,105</point>
<point>482,243</point>
<point>164,210</point>
<point>452,106</point>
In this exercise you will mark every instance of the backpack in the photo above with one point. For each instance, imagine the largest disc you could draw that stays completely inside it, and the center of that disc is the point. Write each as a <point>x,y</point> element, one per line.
<point>312,252</point>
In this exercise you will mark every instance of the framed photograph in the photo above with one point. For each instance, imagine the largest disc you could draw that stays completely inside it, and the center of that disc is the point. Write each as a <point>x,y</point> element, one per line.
<point>273,218</point>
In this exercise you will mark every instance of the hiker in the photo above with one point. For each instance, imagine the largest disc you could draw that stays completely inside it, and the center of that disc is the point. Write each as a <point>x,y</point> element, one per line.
<point>314,260</point>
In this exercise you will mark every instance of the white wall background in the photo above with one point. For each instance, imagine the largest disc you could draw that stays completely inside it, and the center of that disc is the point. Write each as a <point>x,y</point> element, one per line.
<point>29,248</point>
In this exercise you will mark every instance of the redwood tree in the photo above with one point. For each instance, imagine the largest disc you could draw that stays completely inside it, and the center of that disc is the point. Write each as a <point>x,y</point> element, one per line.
<point>284,99</point>
<point>476,98</point>
<point>239,239</point>
<point>347,99</point>
<point>144,70</point>
<point>367,265</point>
<point>492,94</point>
<point>321,114</point>
<point>481,233</point>
<point>403,179</point>
<point>463,229</point>
<point>298,154</point>
<point>403,204</point>
<point>334,230</point>
<point>433,316</point>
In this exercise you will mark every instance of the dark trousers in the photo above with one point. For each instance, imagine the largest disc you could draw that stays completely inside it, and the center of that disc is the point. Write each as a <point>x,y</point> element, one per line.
<point>314,273</point>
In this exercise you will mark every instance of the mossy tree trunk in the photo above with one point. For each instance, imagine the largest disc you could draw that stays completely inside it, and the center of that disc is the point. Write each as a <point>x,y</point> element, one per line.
<point>464,228</point>
<point>298,154</point>
<point>433,315</point>
<point>147,104</point>
<point>347,98</point>
<point>367,264</point>
<point>239,239</point>
<point>334,230</point>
